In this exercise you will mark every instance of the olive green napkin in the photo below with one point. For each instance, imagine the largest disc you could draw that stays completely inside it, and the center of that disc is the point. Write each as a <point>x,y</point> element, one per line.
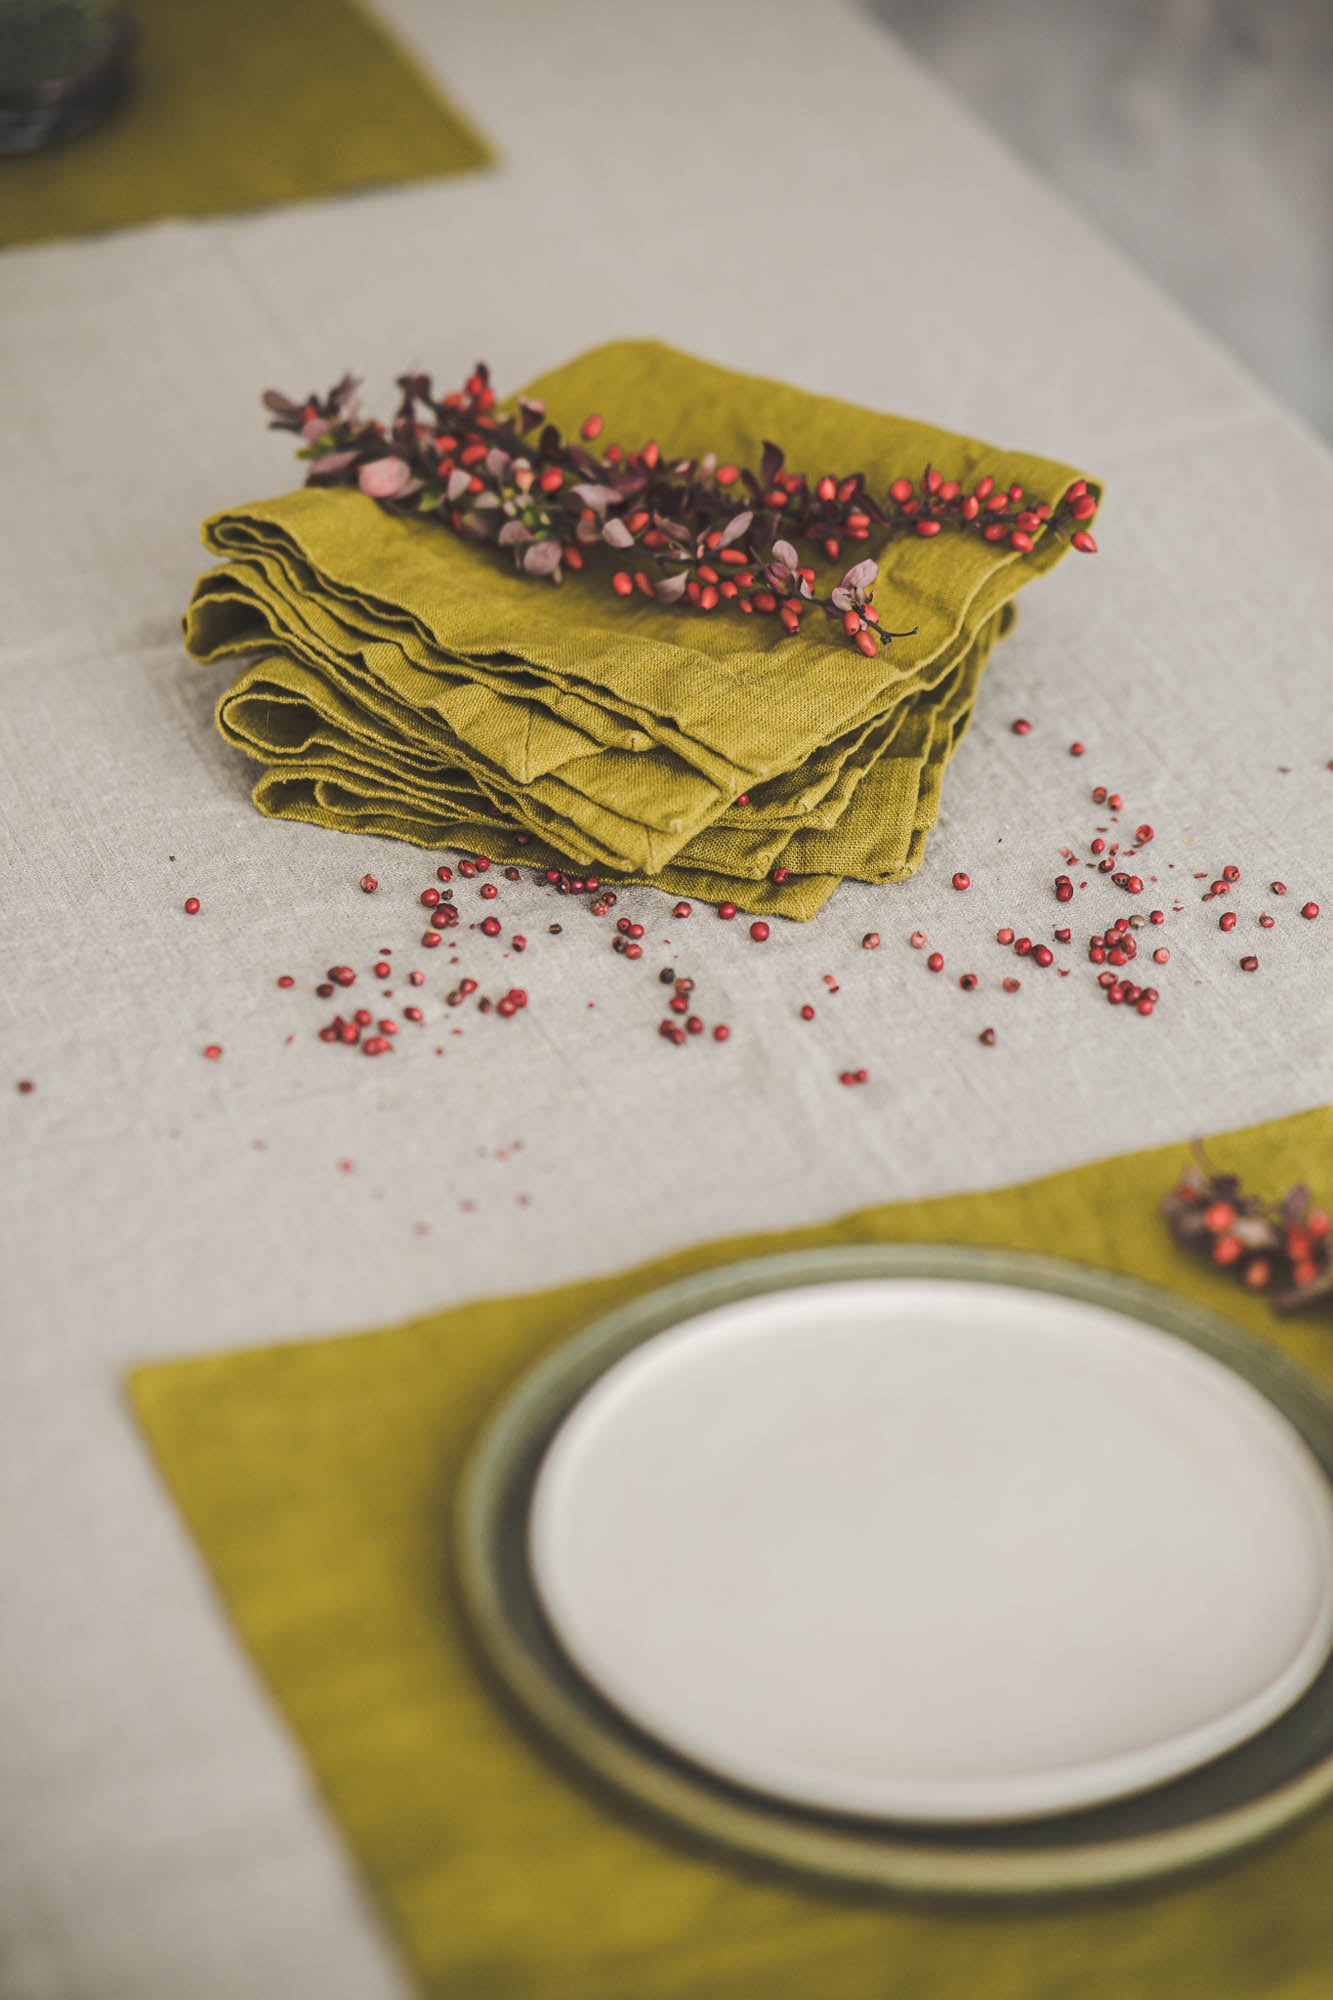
<point>407,682</point>
<point>239,106</point>
<point>318,1479</point>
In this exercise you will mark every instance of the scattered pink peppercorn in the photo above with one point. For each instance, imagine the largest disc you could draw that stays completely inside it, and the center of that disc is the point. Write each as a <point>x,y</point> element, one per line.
<point>918,940</point>
<point>1227,921</point>
<point>489,891</point>
<point>491,926</point>
<point>191,906</point>
<point>727,911</point>
<point>1022,727</point>
<point>962,881</point>
<point>213,1051</point>
<point>1161,956</point>
<point>429,898</point>
<point>759,932</point>
<point>286,980</point>
<point>987,1038</point>
<point>682,910</point>
<point>870,942</point>
<point>1249,964</point>
<point>968,982</point>
<point>1004,935</point>
<point>1278,888</point>
<point>807,1012</point>
<point>1011,985</point>
<point>1076,749</point>
<point>936,961</point>
<point>1044,955</point>
<point>444,874</point>
<point>369,884</point>
<point>721,1032</point>
<point>1231,873</point>
<point>1310,911</point>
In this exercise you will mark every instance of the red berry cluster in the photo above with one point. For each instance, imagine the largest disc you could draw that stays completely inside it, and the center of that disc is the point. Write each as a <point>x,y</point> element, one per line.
<point>1284,1248</point>
<point>688,532</point>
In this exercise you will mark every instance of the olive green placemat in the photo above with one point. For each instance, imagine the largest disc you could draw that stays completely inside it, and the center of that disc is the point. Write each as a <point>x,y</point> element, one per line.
<point>239,106</point>
<point>317,1479</point>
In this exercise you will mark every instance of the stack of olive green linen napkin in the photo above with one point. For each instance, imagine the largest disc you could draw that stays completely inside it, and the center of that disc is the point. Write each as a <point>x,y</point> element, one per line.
<point>406,682</point>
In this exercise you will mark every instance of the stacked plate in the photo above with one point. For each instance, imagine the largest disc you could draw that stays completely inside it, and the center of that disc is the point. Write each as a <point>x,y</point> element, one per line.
<point>928,1569</point>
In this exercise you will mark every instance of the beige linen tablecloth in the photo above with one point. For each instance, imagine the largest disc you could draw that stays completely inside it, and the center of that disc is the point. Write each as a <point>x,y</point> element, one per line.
<point>158,1836</point>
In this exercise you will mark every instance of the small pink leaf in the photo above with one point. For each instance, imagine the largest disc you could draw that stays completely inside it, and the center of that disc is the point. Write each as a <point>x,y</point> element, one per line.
<point>599,498</point>
<point>737,526</point>
<point>542,559</point>
<point>616,535</point>
<point>512,532</point>
<point>784,553</point>
<point>670,589</point>
<point>383,478</point>
<point>861,575</point>
<point>459,481</point>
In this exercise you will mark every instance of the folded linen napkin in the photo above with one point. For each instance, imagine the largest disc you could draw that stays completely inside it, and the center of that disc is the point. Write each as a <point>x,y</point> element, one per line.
<point>408,682</point>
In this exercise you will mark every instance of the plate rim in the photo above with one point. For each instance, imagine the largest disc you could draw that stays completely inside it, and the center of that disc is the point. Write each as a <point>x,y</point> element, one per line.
<point>878,1855</point>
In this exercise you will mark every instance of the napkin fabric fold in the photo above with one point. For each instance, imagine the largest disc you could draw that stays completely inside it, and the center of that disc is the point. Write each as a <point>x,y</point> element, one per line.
<point>404,681</point>
<point>319,1479</point>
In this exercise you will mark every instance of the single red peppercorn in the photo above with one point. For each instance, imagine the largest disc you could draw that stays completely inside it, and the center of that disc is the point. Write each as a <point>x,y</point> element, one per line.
<point>1022,946</point>
<point>1022,727</point>
<point>987,1038</point>
<point>1143,835</point>
<point>968,982</point>
<point>286,980</point>
<point>369,884</point>
<point>807,1012</point>
<point>1076,749</point>
<point>961,881</point>
<point>430,939</point>
<point>591,427</point>
<point>1278,888</point>
<point>1227,921</point>
<point>918,940</point>
<point>721,1032</point>
<point>870,942</point>
<point>1161,956</point>
<point>1249,964</point>
<point>1231,873</point>
<point>759,932</point>
<point>726,910</point>
<point>518,942</point>
<point>1004,936</point>
<point>213,1051</point>
<point>429,898</point>
<point>1044,955</point>
<point>936,961</point>
<point>1157,916</point>
<point>694,1026</point>
<point>191,906</point>
<point>491,926</point>
<point>634,951</point>
<point>1310,911</point>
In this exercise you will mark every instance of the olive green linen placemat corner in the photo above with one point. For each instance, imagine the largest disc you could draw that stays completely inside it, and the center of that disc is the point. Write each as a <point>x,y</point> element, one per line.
<point>238,106</point>
<point>317,1479</point>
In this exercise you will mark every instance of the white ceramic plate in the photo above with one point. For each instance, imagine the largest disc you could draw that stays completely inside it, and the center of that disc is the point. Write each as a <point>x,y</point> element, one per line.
<point>934,1550</point>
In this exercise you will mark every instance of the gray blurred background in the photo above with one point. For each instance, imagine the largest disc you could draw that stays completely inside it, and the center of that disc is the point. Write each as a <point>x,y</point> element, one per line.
<point>1197,133</point>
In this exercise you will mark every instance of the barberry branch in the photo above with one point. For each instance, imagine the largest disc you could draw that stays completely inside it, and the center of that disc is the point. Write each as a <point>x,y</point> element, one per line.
<point>689,532</point>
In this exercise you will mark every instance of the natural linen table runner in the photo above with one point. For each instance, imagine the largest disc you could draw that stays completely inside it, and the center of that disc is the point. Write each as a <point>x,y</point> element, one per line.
<point>407,682</point>
<point>319,1478</point>
<point>239,106</point>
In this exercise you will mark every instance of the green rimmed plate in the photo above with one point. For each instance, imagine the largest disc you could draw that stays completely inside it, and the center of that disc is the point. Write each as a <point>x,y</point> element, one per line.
<point>1239,1796</point>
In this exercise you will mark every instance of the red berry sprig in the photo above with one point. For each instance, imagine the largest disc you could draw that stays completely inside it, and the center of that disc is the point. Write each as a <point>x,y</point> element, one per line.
<point>1284,1248</point>
<point>687,532</point>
